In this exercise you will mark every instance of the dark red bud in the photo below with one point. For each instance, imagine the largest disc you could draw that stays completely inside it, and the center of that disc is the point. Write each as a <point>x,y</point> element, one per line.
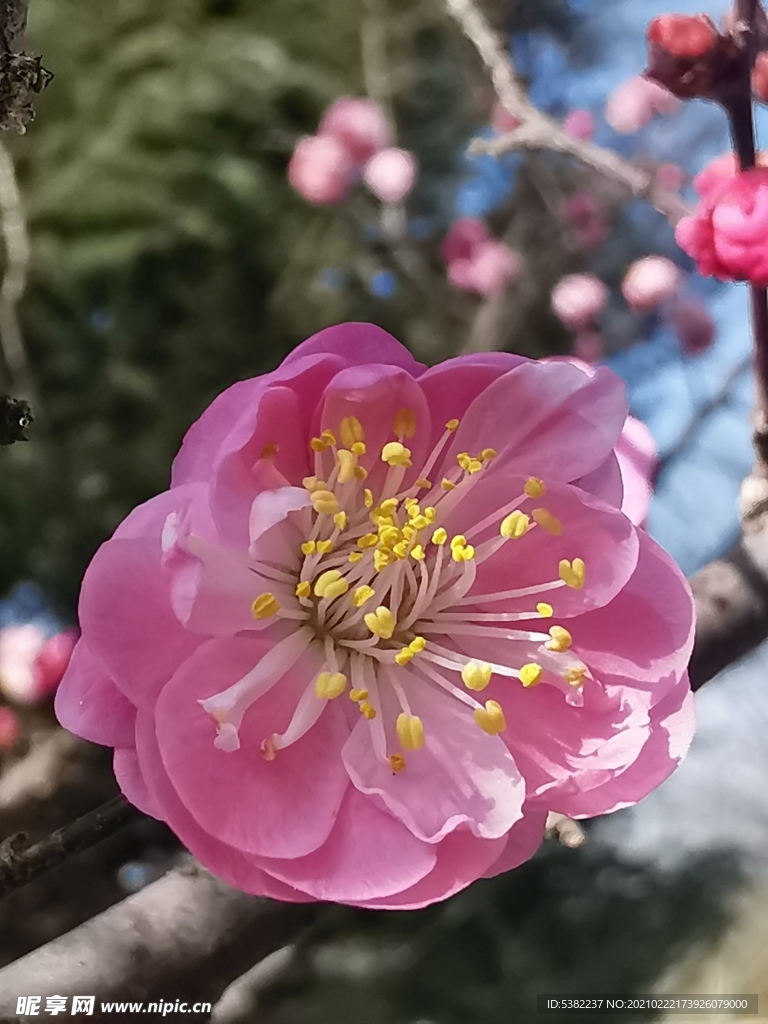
<point>760,77</point>
<point>688,37</point>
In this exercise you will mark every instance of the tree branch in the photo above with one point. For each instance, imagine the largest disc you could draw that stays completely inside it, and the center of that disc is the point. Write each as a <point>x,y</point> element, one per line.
<point>21,76</point>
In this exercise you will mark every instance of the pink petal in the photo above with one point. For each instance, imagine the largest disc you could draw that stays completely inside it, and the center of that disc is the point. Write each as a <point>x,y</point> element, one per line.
<point>90,705</point>
<point>523,841</point>
<point>358,343</point>
<point>606,482</point>
<point>132,783</point>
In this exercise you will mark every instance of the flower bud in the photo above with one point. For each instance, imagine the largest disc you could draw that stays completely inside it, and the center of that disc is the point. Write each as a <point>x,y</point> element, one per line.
<point>390,174</point>
<point>688,55</point>
<point>359,124</point>
<point>320,170</point>
<point>649,281</point>
<point>635,102</point>
<point>578,298</point>
<point>683,35</point>
<point>760,77</point>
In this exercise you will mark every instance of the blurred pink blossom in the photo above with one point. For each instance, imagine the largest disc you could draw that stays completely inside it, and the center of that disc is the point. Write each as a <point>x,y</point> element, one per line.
<point>321,170</point>
<point>588,346</point>
<point>578,298</point>
<point>10,728</point>
<point>52,661</point>
<point>477,262</point>
<point>720,170</point>
<point>390,174</point>
<point>583,213</point>
<point>635,102</point>
<point>359,124</point>
<point>693,325</point>
<point>637,455</point>
<point>670,177</point>
<point>649,281</point>
<point>31,664</point>
<point>579,124</point>
<point>462,238</point>
<point>494,266</point>
<point>502,121</point>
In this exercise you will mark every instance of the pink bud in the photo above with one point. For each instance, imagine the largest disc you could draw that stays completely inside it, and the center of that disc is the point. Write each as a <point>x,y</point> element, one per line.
<point>10,728</point>
<point>584,215</point>
<point>578,298</point>
<point>390,174</point>
<point>359,125</point>
<point>52,661</point>
<point>462,238</point>
<point>631,106</point>
<point>579,124</point>
<point>494,266</point>
<point>502,121</point>
<point>460,275</point>
<point>720,170</point>
<point>670,177</point>
<point>693,325</point>
<point>320,170</point>
<point>649,281</point>
<point>588,345</point>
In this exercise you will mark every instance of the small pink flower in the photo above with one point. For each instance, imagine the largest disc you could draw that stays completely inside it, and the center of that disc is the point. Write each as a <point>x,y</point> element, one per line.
<point>385,619</point>
<point>693,325</point>
<point>584,215</point>
<point>720,170</point>
<point>463,238</point>
<point>579,124</point>
<point>359,124</point>
<point>493,266</point>
<point>502,121</point>
<point>578,298</point>
<point>588,346</point>
<point>321,170</point>
<point>649,281</point>
<point>10,728</point>
<point>726,234</point>
<point>391,174</point>
<point>633,104</point>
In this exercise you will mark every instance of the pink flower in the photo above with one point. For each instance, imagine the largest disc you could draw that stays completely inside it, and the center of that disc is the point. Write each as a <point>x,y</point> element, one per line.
<point>477,262</point>
<point>635,102</point>
<point>579,124</point>
<point>578,298</point>
<point>31,664</point>
<point>726,234</point>
<point>10,728</point>
<point>359,124</point>
<point>321,170</point>
<point>720,170</point>
<point>463,238</point>
<point>638,457</point>
<point>391,174</point>
<point>317,654</point>
<point>649,281</point>
<point>52,661</point>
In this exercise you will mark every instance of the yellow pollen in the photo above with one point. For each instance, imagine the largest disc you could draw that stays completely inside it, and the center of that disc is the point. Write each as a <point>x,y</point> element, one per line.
<point>325,546</point>
<point>410,502</point>
<point>346,465</point>
<point>410,731</point>
<point>367,710</point>
<point>396,762</point>
<point>419,522</point>
<point>311,483</point>
<point>561,639</point>
<point>400,550</point>
<point>430,512</point>
<point>572,573</point>
<point>358,448</point>
<point>368,497</point>
<point>547,521</point>
<point>404,424</point>
<point>452,425</point>
<point>546,611</point>
<point>440,536</point>
<point>330,684</point>
<point>418,644</point>
<point>381,622</point>
<point>418,553</point>
<point>355,556</point>
<point>459,541</point>
<point>269,449</point>
<point>325,502</point>
<point>515,525</point>
<point>340,520</point>
<point>368,540</point>
<point>574,676</point>
<point>358,695</point>
<point>337,589</point>
<point>404,656</point>
<point>351,431</point>
<point>534,487</point>
<point>396,454</point>
<point>487,454</point>
<point>317,444</point>
<point>308,547</point>
<point>390,536</point>
<point>265,606</point>
<point>474,466</point>
<point>464,459</point>
<point>304,589</point>
<point>268,748</point>
<point>447,485</point>
<point>409,532</point>
<point>328,436</point>
<point>422,482</point>
<point>476,675</point>
<point>361,595</point>
<point>490,718</point>
<point>325,580</point>
<point>359,472</point>
<point>530,674</point>
<point>382,558</point>
<point>389,505</point>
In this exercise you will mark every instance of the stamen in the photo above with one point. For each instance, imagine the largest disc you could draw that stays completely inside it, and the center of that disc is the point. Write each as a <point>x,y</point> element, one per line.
<point>515,525</point>
<point>347,465</point>
<point>330,685</point>
<point>351,431</point>
<point>309,547</point>
<point>324,502</point>
<point>476,675</point>
<point>491,718</point>
<point>381,622</point>
<point>328,579</point>
<point>574,675</point>
<point>440,536</point>
<point>324,547</point>
<point>404,424</point>
<point>530,674</point>
<point>452,425</point>
<point>396,454</point>
<point>546,611</point>
<point>544,518</point>
<point>340,520</point>
<point>361,595</point>
<point>265,606</point>
<point>358,695</point>
<point>561,639</point>
<point>572,573</point>
<point>304,589</point>
<point>367,710</point>
<point>534,487</point>
<point>396,762</point>
<point>410,731</point>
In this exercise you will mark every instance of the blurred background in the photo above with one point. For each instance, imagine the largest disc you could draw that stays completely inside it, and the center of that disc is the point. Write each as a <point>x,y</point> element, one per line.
<point>178,240</point>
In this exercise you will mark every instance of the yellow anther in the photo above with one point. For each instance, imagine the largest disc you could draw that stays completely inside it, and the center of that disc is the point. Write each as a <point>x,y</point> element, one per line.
<point>265,606</point>
<point>382,558</point>
<point>351,431</point>
<point>487,454</point>
<point>389,536</point>
<point>409,532</point>
<point>410,731</point>
<point>330,684</point>
<point>324,580</point>
<point>515,525</point>
<point>317,444</point>
<point>534,487</point>
<point>311,483</point>
<point>328,436</point>
<point>270,449</point>
<point>530,674</point>
<point>368,540</point>
<point>308,547</point>
<point>419,522</point>
<point>358,448</point>
<point>476,675</point>
<point>367,710</point>
<point>355,556</point>
<point>304,589</point>
<point>572,573</point>
<point>464,459</point>
<point>422,482</point>
<point>337,589</point>
<point>346,465</point>
<point>452,425</point>
<point>561,639</point>
<point>389,505</point>
<point>574,675</point>
<point>490,718</point>
<point>359,472</point>
<point>447,485</point>
<point>396,762</point>
<point>358,695</point>
<point>400,550</point>
<point>418,553</point>
<point>368,497</point>
<point>325,547</point>
<point>546,611</point>
<point>325,502</point>
<point>404,423</point>
<point>361,595</point>
<point>474,466</point>
<point>465,554</point>
<point>396,454</point>
<point>418,644</point>
<point>404,656</point>
<point>381,622</point>
<point>410,502</point>
<point>440,536</point>
<point>340,520</point>
<point>459,541</point>
<point>547,521</point>
<point>429,513</point>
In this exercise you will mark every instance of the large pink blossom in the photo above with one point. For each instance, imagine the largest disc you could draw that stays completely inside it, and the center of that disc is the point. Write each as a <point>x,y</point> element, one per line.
<point>384,620</point>
<point>726,234</point>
